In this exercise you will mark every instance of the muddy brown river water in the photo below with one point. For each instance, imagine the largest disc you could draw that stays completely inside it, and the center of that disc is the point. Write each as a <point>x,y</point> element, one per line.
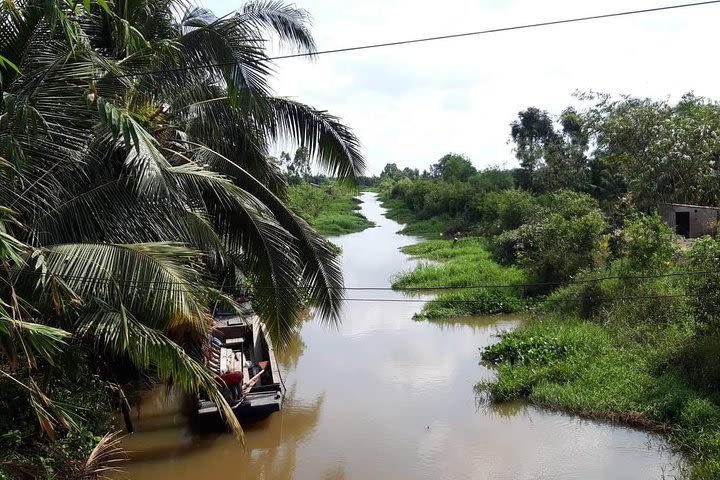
<point>386,397</point>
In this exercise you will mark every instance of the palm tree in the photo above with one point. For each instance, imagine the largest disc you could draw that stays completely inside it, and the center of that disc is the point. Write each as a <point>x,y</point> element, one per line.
<point>134,142</point>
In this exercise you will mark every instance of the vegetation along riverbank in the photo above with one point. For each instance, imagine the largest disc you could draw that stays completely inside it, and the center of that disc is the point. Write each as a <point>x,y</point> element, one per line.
<point>330,207</point>
<point>625,314</point>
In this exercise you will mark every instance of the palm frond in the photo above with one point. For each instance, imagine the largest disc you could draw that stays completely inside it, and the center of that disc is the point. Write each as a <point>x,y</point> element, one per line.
<point>158,281</point>
<point>322,278</point>
<point>217,124</point>
<point>144,159</point>
<point>255,242</point>
<point>333,144</point>
<point>104,459</point>
<point>120,332</point>
<point>289,23</point>
<point>229,57</point>
<point>32,339</point>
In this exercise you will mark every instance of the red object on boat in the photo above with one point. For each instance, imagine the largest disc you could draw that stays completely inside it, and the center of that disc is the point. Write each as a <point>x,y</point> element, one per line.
<point>232,378</point>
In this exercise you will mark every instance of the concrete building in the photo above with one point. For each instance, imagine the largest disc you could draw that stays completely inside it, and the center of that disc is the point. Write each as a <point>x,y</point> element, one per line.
<point>691,221</point>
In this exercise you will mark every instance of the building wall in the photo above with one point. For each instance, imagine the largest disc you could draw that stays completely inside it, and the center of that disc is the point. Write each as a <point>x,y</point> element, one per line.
<point>703,220</point>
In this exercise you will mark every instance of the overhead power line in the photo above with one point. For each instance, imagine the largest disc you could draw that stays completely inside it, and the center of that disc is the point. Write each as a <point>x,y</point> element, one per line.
<point>437,38</point>
<point>158,283</point>
<point>577,298</point>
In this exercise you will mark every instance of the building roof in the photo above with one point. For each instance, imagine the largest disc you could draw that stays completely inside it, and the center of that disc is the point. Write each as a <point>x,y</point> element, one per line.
<point>690,206</point>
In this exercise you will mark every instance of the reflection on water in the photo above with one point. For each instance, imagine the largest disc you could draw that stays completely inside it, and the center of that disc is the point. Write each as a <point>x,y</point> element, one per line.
<point>384,396</point>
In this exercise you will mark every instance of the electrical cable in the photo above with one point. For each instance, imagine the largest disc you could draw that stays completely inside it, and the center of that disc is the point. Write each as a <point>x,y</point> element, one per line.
<point>154,283</point>
<point>434,38</point>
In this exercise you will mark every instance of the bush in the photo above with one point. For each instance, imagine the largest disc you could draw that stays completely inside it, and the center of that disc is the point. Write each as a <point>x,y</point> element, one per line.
<point>705,288</point>
<point>556,247</point>
<point>472,303</point>
<point>699,363</point>
<point>567,203</point>
<point>647,246</point>
<point>492,180</point>
<point>502,211</point>
<point>505,247</point>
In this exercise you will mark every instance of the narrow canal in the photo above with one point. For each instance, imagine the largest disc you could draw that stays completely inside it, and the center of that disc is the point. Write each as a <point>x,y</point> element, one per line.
<point>384,396</point>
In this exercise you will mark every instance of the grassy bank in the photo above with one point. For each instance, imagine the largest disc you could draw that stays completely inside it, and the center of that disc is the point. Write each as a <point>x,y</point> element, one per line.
<point>637,362</point>
<point>464,264</point>
<point>429,228</point>
<point>329,208</point>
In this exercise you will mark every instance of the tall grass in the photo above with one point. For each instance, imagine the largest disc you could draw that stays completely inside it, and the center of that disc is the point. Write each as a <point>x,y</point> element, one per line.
<point>430,228</point>
<point>466,263</point>
<point>635,361</point>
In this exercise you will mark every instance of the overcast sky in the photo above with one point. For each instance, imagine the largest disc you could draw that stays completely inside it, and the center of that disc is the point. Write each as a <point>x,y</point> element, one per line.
<point>412,104</point>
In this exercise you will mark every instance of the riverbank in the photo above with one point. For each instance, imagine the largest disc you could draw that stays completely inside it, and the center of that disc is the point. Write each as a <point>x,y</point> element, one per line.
<point>412,225</point>
<point>464,265</point>
<point>607,372</point>
<point>625,351</point>
<point>331,209</point>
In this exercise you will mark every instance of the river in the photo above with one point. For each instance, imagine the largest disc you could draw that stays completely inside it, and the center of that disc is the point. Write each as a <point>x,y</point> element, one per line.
<point>383,396</point>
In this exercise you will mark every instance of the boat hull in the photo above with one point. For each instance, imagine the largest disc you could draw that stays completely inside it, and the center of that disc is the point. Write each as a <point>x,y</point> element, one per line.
<point>256,406</point>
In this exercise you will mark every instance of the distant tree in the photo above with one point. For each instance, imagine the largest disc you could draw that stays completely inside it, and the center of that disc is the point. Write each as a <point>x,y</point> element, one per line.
<point>411,173</point>
<point>453,167</point>
<point>297,167</point>
<point>662,152</point>
<point>492,180</point>
<point>551,158</point>
<point>531,132</point>
<point>391,170</point>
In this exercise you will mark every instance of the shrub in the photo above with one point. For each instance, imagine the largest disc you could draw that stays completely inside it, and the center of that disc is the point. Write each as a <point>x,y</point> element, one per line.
<point>505,247</point>
<point>492,180</point>
<point>473,302</point>
<point>705,257</point>
<point>557,247</point>
<point>518,349</point>
<point>567,204</point>
<point>647,245</point>
<point>505,210</point>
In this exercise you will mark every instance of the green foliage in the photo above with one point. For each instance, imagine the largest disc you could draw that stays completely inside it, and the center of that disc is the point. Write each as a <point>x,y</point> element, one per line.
<point>590,369</point>
<point>442,204</point>
<point>666,153</point>
<point>700,363</point>
<point>518,349</point>
<point>24,449</point>
<point>466,263</point>
<point>705,257</point>
<point>331,208</point>
<point>551,159</point>
<point>453,168</point>
<point>493,179</point>
<point>564,238</point>
<point>504,210</point>
<point>647,246</point>
<point>140,196</point>
<point>476,302</point>
<point>391,172</point>
<point>638,358</point>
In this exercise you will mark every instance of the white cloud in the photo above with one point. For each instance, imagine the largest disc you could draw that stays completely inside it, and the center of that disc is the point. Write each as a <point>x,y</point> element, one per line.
<point>411,104</point>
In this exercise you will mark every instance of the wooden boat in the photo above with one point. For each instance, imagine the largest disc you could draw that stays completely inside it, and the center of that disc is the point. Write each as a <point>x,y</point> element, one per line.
<point>238,344</point>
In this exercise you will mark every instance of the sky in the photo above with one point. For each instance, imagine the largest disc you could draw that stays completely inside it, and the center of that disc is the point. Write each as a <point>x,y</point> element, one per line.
<point>412,104</point>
